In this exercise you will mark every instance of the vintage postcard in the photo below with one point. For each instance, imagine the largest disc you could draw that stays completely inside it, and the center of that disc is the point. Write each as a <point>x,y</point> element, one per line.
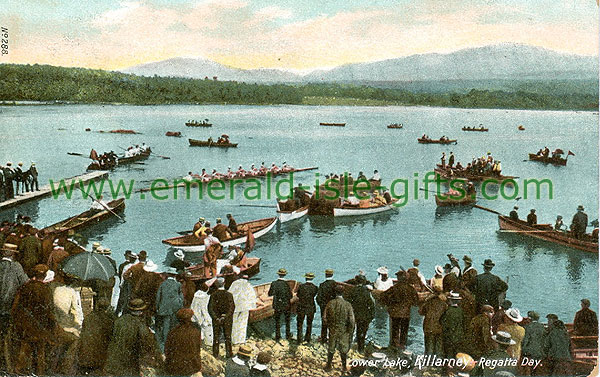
<point>299,188</point>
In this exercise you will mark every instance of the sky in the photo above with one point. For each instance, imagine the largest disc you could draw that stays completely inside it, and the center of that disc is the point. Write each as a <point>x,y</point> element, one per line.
<point>296,35</point>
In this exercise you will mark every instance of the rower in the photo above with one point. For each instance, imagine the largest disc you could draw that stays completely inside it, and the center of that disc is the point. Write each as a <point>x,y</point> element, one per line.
<point>361,177</point>
<point>532,217</point>
<point>274,168</point>
<point>204,228</point>
<point>199,224</point>
<point>233,228</point>
<point>144,148</point>
<point>221,231</point>
<point>579,222</point>
<point>98,204</point>
<point>559,224</point>
<point>443,160</point>
<point>514,215</point>
<point>189,177</point>
<point>241,173</point>
<point>230,174</point>
<point>376,176</point>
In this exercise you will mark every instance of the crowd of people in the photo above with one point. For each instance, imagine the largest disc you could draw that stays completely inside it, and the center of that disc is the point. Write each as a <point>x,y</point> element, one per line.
<point>16,181</point>
<point>241,173</point>
<point>482,166</point>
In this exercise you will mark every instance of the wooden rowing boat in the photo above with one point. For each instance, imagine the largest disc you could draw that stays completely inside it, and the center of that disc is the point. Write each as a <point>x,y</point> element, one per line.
<point>333,124</point>
<point>173,133</point>
<point>445,173</point>
<point>191,243</point>
<point>347,210</point>
<point>584,351</point>
<point>548,160</point>
<point>440,141</point>
<point>198,124</point>
<point>444,200</point>
<point>122,160</point>
<point>521,128</point>
<point>84,219</point>
<point>264,302</point>
<point>211,144</point>
<point>480,129</point>
<point>547,233</point>
<point>197,271</point>
<point>289,215</point>
<point>395,125</point>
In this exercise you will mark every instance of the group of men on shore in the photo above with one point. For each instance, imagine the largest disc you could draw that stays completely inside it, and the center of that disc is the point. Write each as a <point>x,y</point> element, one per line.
<point>16,181</point>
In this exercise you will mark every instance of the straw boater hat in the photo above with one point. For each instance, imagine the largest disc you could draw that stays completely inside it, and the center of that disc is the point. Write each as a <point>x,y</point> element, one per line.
<point>179,254</point>
<point>329,272</point>
<point>454,296</point>
<point>150,266</point>
<point>49,276</point>
<point>245,351</point>
<point>282,272</point>
<point>439,270</point>
<point>382,270</point>
<point>502,337</point>
<point>9,248</point>
<point>514,315</point>
<point>309,275</point>
<point>136,305</point>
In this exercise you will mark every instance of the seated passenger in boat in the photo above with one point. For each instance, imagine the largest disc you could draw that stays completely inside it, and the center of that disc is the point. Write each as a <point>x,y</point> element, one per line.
<point>387,196</point>
<point>189,177</point>
<point>532,218</point>
<point>376,176</point>
<point>203,230</point>
<point>241,173</point>
<point>221,231</point>
<point>274,169</point>
<point>378,199</point>
<point>559,224</point>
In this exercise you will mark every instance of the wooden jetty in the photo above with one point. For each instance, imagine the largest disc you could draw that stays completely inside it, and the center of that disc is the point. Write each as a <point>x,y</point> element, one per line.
<point>46,191</point>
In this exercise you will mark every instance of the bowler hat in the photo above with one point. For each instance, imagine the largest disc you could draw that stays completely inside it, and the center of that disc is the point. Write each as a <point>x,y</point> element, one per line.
<point>488,263</point>
<point>282,272</point>
<point>580,208</point>
<point>585,301</point>
<point>136,305</point>
<point>503,338</point>
<point>245,351</point>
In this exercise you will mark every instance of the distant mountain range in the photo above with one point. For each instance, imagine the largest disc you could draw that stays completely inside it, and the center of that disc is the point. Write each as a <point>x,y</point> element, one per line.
<point>505,61</point>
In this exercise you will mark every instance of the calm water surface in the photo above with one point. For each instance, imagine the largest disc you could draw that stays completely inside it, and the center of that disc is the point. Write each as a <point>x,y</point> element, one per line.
<point>541,277</point>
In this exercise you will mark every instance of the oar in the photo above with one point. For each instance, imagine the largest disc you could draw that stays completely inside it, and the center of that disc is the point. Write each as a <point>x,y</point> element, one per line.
<point>76,154</point>
<point>487,209</point>
<point>157,155</point>
<point>184,232</point>
<point>108,209</point>
<point>524,231</point>
<point>256,205</point>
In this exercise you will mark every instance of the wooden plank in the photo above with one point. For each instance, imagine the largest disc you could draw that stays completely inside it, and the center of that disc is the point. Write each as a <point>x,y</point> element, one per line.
<point>45,191</point>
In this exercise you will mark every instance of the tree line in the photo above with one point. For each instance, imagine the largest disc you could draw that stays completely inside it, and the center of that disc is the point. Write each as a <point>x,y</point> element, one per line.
<point>80,85</point>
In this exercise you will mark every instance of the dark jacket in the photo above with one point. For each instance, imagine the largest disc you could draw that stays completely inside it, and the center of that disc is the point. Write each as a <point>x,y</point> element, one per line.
<point>220,304</point>
<point>33,312</point>
<point>399,299</point>
<point>557,344</point>
<point>232,369</point>
<point>362,303</point>
<point>306,298</point>
<point>31,252</point>
<point>532,219</point>
<point>96,333</point>
<point>579,222</point>
<point>147,289</point>
<point>220,231</point>
<point>585,323</point>
<point>487,287</point>
<point>481,337</point>
<point>13,277</point>
<point>282,294</point>
<point>259,373</point>
<point>532,345</point>
<point>169,298</point>
<point>182,350</point>
<point>326,293</point>
<point>452,325</point>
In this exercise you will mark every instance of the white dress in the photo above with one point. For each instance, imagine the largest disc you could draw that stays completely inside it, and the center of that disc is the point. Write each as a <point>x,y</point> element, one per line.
<point>201,316</point>
<point>244,298</point>
<point>383,285</point>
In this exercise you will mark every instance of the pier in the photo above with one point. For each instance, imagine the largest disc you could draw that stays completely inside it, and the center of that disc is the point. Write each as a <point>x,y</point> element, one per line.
<point>46,191</point>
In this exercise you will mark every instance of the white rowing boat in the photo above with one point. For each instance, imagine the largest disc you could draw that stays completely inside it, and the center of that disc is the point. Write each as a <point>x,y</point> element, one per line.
<point>357,211</point>
<point>285,216</point>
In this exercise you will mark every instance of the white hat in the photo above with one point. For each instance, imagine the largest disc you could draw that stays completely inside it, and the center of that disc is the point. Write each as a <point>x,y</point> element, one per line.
<point>503,337</point>
<point>514,315</point>
<point>49,276</point>
<point>179,254</point>
<point>439,270</point>
<point>454,296</point>
<point>383,270</point>
<point>150,266</point>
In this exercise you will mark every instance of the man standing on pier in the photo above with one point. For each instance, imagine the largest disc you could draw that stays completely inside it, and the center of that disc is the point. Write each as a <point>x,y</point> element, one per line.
<point>306,307</point>
<point>9,191</point>
<point>325,294</point>
<point>282,294</point>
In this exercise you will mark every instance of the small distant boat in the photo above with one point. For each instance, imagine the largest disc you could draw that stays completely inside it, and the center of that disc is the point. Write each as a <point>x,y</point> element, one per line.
<point>347,210</point>
<point>521,128</point>
<point>480,129</point>
<point>395,125</point>
<point>191,243</point>
<point>210,144</point>
<point>440,141</point>
<point>122,161</point>
<point>173,133</point>
<point>444,200</point>
<point>86,218</point>
<point>264,302</point>
<point>287,215</point>
<point>194,123</point>
<point>333,124</point>
<point>559,161</point>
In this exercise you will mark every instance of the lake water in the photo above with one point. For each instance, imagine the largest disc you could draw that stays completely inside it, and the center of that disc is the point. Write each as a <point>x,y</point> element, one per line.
<point>541,276</point>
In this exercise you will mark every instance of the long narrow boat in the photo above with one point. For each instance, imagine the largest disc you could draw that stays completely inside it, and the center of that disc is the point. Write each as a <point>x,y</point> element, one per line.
<point>287,215</point>
<point>264,302</point>
<point>445,173</point>
<point>198,124</point>
<point>122,160</point>
<point>211,144</point>
<point>444,200</point>
<point>395,125</point>
<point>198,274</point>
<point>480,129</point>
<point>333,124</point>
<point>548,160</point>
<point>547,233</point>
<point>439,141</point>
<point>191,243</point>
<point>86,218</point>
<point>347,210</point>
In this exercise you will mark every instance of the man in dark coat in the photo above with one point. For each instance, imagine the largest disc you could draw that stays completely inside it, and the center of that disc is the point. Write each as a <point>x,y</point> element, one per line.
<point>306,307</point>
<point>221,231</point>
<point>532,345</point>
<point>488,286</point>
<point>238,365</point>
<point>339,317</point>
<point>30,250</point>
<point>34,177</point>
<point>580,222</point>
<point>183,345</point>
<point>399,299</point>
<point>221,308</point>
<point>452,322</point>
<point>33,320</point>
<point>169,299</point>
<point>13,277</point>
<point>96,333</point>
<point>469,273</point>
<point>532,218</point>
<point>586,320</point>
<point>233,228</point>
<point>260,369</point>
<point>282,294</point>
<point>557,347</point>
<point>364,309</point>
<point>325,294</point>
<point>480,341</point>
<point>147,289</point>
<point>514,215</point>
<point>9,174</point>
<point>433,309</point>
<point>133,344</point>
